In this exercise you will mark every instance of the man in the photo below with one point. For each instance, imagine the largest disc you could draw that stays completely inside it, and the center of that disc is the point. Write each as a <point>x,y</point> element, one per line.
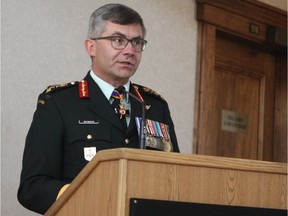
<point>74,121</point>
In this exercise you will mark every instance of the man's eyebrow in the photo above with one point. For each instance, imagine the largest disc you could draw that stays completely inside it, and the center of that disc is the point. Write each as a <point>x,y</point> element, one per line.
<point>118,34</point>
<point>122,35</point>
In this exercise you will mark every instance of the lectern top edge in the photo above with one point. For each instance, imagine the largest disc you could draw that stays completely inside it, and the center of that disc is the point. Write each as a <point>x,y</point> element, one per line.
<point>191,159</point>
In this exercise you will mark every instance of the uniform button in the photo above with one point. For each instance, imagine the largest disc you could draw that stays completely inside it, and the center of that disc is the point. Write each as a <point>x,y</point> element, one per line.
<point>127,141</point>
<point>89,136</point>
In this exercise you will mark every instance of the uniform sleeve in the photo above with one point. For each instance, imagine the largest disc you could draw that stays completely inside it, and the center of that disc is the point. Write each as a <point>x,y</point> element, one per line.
<point>41,166</point>
<point>169,121</point>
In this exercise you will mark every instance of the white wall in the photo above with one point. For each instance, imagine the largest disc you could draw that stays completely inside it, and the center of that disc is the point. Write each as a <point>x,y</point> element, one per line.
<point>282,4</point>
<point>42,44</point>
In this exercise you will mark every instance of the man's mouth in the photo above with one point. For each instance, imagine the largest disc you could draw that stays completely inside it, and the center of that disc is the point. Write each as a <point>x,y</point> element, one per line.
<point>126,63</point>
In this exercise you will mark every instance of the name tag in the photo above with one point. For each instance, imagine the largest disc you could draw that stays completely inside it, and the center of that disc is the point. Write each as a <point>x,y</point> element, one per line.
<point>88,122</point>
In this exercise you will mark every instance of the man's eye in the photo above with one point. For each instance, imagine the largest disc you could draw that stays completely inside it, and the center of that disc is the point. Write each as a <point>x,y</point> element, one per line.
<point>138,42</point>
<point>118,40</point>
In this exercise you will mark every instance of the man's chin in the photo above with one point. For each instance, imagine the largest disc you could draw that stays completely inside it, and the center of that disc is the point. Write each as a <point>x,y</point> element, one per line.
<point>125,73</point>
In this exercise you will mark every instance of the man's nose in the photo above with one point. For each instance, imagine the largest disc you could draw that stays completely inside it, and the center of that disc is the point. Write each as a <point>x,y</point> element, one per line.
<point>129,48</point>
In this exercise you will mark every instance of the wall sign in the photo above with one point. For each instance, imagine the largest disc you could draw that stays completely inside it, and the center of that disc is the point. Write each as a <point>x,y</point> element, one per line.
<point>234,122</point>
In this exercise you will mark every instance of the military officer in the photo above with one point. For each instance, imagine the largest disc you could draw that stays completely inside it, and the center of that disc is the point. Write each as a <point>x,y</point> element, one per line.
<point>74,121</point>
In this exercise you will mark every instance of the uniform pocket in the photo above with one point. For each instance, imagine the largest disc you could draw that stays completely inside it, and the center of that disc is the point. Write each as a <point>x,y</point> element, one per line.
<point>88,133</point>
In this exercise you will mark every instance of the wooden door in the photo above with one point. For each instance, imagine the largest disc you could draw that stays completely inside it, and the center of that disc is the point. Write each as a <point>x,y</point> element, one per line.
<point>240,103</point>
<point>238,111</point>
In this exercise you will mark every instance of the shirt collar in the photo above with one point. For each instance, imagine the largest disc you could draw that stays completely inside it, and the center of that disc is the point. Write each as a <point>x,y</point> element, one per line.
<point>105,87</point>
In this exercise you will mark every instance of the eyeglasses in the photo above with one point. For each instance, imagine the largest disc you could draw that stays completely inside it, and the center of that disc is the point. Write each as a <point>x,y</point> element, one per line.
<point>119,43</point>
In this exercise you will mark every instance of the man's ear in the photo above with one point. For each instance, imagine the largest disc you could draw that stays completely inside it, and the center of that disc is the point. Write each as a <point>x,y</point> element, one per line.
<point>90,47</point>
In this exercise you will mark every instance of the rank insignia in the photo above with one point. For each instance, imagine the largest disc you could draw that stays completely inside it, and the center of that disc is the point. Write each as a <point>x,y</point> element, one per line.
<point>83,89</point>
<point>54,88</point>
<point>141,89</point>
<point>138,95</point>
<point>148,90</point>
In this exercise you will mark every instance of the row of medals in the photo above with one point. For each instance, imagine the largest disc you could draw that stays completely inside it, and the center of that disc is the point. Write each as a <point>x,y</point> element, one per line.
<point>150,140</point>
<point>158,143</point>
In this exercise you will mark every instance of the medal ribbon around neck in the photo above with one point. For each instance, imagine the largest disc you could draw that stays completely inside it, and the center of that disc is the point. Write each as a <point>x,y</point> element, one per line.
<point>121,109</point>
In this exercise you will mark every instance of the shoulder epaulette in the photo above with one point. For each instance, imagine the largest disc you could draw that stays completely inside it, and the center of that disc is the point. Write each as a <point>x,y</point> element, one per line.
<point>57,87</point>
<point>53,88</point>
<point>148,91</point>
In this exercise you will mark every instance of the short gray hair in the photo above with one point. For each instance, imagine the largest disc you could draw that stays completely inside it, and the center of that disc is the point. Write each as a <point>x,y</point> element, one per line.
<point>115,13</point>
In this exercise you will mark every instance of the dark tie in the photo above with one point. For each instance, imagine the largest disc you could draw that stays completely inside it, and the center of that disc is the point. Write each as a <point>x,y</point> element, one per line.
<point>119,106</point>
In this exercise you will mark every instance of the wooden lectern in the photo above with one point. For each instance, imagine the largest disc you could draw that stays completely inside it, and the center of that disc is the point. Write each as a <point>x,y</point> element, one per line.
<point>104,187</point>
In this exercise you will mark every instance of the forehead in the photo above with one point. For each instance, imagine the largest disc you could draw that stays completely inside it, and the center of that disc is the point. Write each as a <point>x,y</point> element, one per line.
<point>130,30</point>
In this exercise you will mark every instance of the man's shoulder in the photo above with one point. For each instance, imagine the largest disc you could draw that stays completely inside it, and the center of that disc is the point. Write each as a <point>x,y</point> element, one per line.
<point>54,90</point>
<point>143,90</point>
<point>51,89</point>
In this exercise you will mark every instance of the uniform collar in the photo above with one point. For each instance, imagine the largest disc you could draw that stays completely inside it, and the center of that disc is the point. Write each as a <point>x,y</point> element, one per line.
<point>105,87</point>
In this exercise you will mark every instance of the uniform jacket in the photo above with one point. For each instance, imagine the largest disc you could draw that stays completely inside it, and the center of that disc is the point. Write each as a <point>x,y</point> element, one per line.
<point>53,154</point>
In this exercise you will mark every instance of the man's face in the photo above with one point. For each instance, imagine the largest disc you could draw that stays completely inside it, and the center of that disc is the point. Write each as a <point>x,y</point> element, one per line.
<point>112,65</point>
